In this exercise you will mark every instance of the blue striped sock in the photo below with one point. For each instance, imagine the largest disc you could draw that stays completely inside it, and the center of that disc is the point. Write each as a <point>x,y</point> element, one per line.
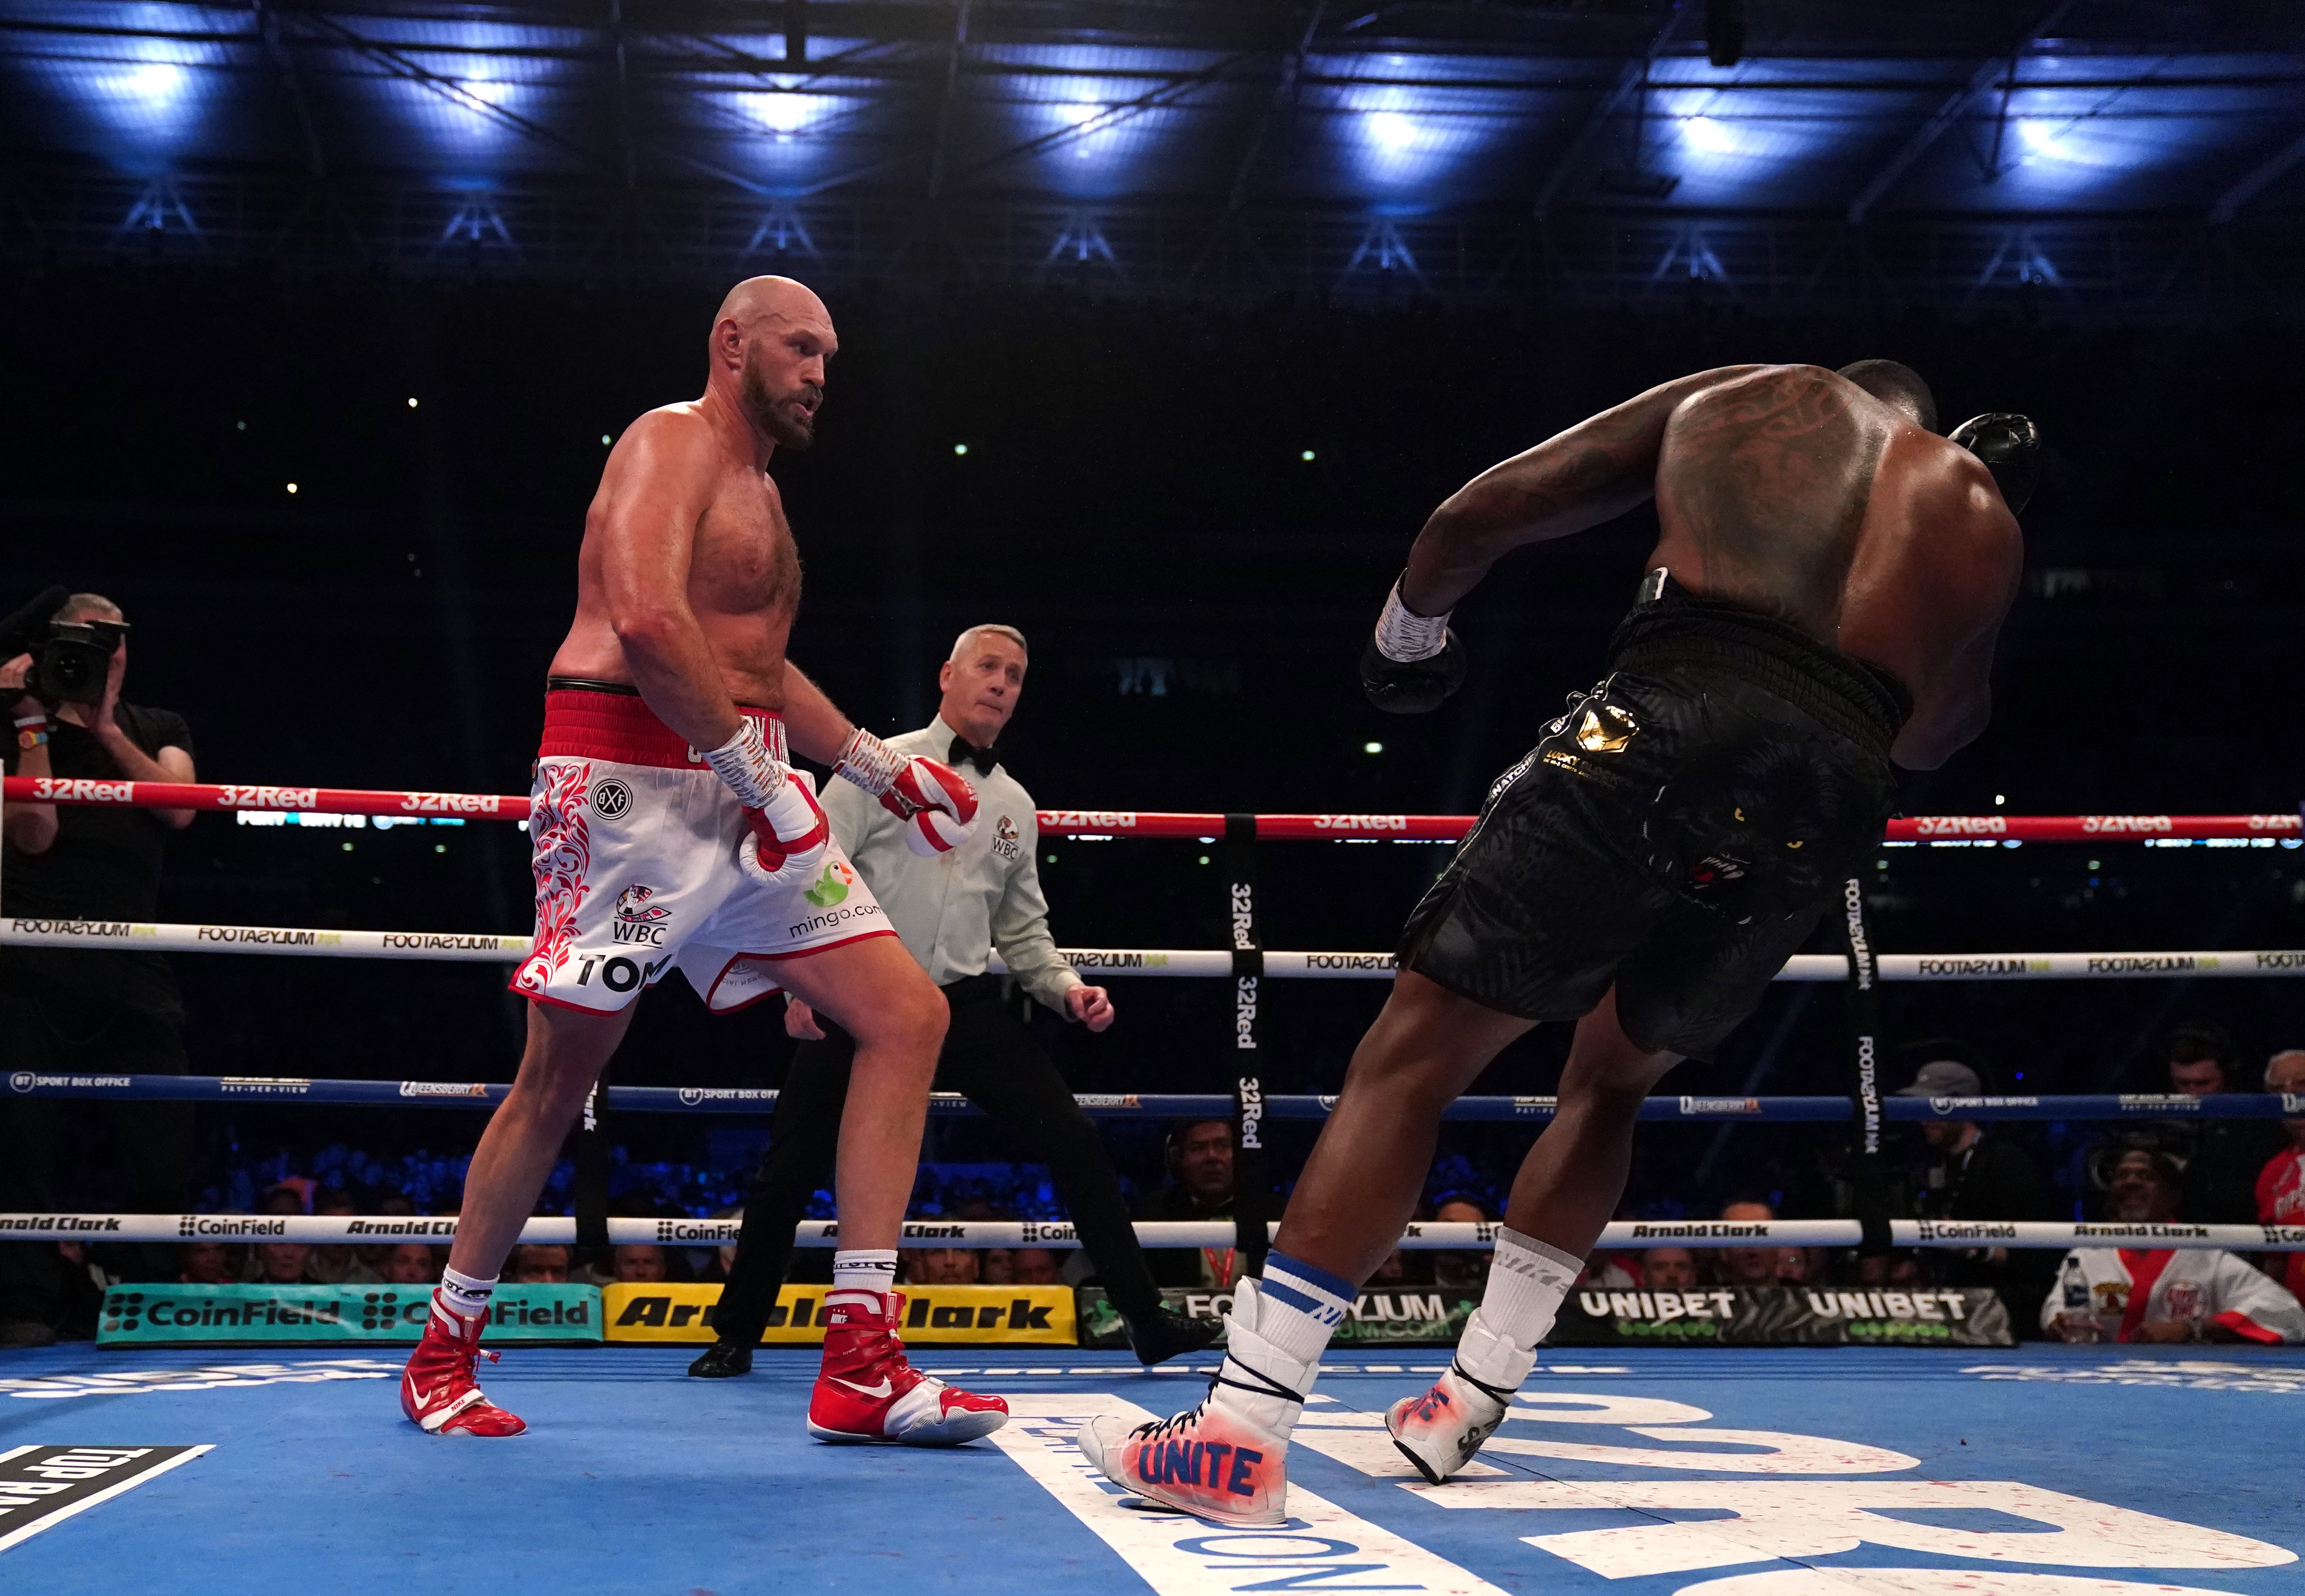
<point>1301,1304</point>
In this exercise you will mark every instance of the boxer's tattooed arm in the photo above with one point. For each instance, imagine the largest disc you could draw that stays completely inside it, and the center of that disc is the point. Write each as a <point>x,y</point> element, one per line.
<point>1593,472</point>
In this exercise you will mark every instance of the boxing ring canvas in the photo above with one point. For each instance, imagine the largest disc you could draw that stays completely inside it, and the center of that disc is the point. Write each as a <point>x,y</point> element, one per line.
<point>2048,1471</point>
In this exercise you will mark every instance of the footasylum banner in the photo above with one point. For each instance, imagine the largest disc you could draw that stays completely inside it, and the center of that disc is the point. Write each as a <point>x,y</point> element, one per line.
<point>1038,1315</point>
<point>1784,1316</point>
<point>1411,1316</point>
<point>150,1315</point>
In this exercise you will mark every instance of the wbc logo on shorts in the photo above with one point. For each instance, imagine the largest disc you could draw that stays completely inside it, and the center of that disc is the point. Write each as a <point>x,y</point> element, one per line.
<point>638,919</point>
<point>611,798</point>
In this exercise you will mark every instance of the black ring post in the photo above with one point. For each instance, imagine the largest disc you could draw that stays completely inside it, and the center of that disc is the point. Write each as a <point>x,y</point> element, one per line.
<point>1869,1174</point>
<point>592,1161</point>
<point>1252,1203</point>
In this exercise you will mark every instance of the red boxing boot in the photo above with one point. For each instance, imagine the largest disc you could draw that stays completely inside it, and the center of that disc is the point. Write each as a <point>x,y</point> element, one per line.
<point>437,1391</point>
<point>867,1392</point>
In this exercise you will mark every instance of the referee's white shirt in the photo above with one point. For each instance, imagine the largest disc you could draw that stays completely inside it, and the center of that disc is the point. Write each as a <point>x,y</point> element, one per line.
<point>954,910</point>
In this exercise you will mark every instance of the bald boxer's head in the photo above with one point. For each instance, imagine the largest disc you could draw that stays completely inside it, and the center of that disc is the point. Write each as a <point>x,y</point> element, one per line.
<point>770,340</point>
<point>1900,387</point>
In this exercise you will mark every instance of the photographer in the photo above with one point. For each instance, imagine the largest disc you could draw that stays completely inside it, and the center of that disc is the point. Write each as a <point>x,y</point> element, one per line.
<point>70,1009</point>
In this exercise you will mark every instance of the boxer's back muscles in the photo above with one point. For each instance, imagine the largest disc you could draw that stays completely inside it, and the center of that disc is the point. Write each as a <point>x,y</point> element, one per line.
<point>680,510</point>
<point>1792,491</point>
<point>1788,489</point>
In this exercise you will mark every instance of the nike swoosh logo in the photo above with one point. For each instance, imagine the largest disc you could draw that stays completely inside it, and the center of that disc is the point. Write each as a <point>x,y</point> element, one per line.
<point>884,1388</point>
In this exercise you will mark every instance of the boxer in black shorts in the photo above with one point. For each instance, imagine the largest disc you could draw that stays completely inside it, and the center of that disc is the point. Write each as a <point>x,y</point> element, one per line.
<point>1821,605</point>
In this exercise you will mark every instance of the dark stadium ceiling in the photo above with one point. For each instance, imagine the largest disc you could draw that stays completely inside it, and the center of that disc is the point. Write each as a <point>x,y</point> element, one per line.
<point>2087,156</point>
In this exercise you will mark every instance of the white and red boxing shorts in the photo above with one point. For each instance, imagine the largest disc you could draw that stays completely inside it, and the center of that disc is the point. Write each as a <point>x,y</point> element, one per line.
<point>634,845</point>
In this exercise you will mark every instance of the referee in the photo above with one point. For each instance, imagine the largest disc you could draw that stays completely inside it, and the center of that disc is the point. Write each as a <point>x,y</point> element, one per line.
<point>952,911</point>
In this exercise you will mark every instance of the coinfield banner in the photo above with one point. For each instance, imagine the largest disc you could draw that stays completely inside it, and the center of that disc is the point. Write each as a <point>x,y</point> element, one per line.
<point>1038,1315</point>
<point>309,1315</point>
<point>1784,1316</point>
<point>1408,1317</point>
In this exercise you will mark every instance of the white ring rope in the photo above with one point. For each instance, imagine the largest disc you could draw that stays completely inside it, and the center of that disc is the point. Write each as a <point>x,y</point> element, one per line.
<point>1190,963</point>
<point>1056,1236</point>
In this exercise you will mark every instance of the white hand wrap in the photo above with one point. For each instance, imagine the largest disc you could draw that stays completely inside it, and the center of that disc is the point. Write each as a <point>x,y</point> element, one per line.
<point>870,763</point>
<point>745,765</point>
<point>1402,635</point>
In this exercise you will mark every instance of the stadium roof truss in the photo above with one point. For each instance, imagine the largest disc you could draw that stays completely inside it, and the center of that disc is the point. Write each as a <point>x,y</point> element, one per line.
<point>2073,157</point>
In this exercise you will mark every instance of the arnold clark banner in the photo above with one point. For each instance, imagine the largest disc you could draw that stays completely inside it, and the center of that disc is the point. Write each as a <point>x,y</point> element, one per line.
<point>1032,1314</point>
<point>154,1315</point>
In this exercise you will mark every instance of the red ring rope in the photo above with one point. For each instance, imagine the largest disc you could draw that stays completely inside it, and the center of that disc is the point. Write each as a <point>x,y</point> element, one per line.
<point>1097,822</point>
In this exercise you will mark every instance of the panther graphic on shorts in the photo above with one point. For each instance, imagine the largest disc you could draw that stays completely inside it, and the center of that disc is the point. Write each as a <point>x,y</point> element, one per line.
<point>633,847</point>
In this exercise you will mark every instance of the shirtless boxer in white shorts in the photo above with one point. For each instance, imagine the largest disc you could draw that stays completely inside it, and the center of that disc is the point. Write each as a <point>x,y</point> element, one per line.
<point>670,833</point>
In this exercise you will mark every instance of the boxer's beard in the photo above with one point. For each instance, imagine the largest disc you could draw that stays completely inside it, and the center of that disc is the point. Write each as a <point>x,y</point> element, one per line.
<point>769,411</point>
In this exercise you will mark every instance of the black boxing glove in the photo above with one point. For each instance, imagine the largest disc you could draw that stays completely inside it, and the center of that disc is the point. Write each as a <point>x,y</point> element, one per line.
<point>1411,662</point>
<point>2010,444</point>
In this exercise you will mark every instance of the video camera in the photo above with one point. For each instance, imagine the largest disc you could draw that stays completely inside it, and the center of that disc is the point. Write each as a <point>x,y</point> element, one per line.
<point>71,660</point>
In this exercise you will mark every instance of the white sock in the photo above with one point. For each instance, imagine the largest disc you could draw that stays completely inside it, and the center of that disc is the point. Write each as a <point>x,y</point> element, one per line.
<point>464,1295</point>
<point>872,1270</point>
<point>1299,1307</point>
<point>1527,1280</point>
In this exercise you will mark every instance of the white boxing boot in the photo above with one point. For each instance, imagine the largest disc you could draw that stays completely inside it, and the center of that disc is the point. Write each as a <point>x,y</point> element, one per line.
<point>1227,1459</point>
<point>1440,1430</point>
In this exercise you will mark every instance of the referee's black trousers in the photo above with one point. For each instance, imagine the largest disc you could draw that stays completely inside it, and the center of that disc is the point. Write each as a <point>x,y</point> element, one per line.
<point>990,1058</point>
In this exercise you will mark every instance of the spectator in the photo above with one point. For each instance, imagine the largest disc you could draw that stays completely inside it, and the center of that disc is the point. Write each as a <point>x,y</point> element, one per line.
<point>287,1202</point>
<point>1035,1266</point>
<point>1748,1266</point>
<point>1200,1188</point>
<point>411,1263</point>
<point>2221,1157</point>
<point>113,1011</point>
<point>2280,1184</point>
<point>1899,1269</point>
<point>393,1205</point>
<point>282,1264</point>
<point>2161,1297</point>
<point>1454,1271</point>
<point>534,1265</point>
<point>639,1263</point>
<point>997,1267</point>
<point>1668,1269</point>
<point>939,1266</point>
<point>335,1263</point>
<point>1973,1174</point>
<point>207,1263</point>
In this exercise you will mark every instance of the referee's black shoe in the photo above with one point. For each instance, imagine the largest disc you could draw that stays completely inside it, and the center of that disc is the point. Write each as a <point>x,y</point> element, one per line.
<point>723,1360</point>
<point>1159,1335</point>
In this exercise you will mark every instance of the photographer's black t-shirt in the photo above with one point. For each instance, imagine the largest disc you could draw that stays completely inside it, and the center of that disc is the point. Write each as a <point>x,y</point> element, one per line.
<point>104,863</point>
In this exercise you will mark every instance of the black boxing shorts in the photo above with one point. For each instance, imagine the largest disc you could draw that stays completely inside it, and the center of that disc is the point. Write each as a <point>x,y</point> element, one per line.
<point>1676,834</point>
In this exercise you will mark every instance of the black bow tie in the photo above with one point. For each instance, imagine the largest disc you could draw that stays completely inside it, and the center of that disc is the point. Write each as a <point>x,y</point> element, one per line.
<point>965,752</point>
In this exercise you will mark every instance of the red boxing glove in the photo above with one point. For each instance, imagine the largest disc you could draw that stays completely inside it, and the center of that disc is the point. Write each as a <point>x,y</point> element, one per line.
<point>786,831</point>
<point>936,804</point>
<point>786,840</point>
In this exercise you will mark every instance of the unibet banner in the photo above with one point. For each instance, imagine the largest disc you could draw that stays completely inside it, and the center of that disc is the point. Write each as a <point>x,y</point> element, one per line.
<point>1784,1316</point>
<point>1040,1315</point>
<point>1410,1317</point>
<point>306,1315</point>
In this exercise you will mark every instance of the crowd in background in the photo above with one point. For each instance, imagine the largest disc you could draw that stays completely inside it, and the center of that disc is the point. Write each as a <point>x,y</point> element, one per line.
<point>2164,1169</point>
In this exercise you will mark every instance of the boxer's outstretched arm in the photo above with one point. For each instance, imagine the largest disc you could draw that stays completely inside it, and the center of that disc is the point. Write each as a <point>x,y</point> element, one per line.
<point>813,723</point>
<point>1593,472</point>
<point>655,492</point>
